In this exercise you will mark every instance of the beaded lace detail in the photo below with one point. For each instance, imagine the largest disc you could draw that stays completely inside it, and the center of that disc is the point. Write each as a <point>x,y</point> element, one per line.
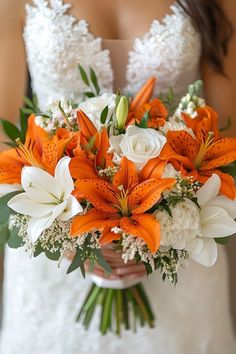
<point>41,301</point>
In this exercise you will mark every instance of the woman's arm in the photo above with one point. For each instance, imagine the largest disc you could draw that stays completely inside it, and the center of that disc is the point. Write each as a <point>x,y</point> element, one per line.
<point>12,60</point>
<point>220,91</point>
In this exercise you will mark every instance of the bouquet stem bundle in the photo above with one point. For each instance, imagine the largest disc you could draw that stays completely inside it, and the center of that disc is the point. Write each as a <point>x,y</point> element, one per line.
<point>119,307</point>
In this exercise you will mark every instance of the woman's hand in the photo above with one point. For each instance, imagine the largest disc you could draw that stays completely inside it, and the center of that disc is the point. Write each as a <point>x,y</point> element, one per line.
<point>120,270</point>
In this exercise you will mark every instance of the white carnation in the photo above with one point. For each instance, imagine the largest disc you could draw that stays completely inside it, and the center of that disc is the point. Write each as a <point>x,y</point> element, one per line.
<point>182,227</point>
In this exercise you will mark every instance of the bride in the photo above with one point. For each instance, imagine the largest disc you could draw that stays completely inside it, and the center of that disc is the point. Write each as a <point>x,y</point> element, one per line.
<point>126,42</point>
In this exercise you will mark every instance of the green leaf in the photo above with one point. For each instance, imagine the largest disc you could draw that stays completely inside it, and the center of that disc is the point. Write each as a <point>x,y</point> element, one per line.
<point>5,211</point>
<point>89,94</point>
<point>10,143</point>
<point>144,121</point>
<point>53,256</point>
<point>38,250</point>
<point>35,100</point>
<point>23,124</point>
<point>15,241</point>
<point>4,233</point>
<point>222,240</point>
<point>104,114</point>
<point>10,129</point>
<point>28,102</point>
<point>101,261</point>
<point>27,110</point>
<point>93,77</point>
<point>76,262</point>
<point>83,75</point>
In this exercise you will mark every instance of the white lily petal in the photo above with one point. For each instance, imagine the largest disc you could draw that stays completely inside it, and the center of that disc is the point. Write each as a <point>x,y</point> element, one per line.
<point>57,210</point>
<point>225,203</point>
<point>194,246</point>
<point>63,176</point>
<point>216,222</point>
<point>208,254</point>
<point>7,188</point>
<point>209,190</point>
<point>39,185</point>
<point>22,204</point>
<point>36,226</point>
<point>73,207</point>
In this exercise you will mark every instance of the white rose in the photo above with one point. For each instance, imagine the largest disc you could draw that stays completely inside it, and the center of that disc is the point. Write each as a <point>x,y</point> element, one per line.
<point>184,225</point>
<point>94,106</point>
<point>140,145</point>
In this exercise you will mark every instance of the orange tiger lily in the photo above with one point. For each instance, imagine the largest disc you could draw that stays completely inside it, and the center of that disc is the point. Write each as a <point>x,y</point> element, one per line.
<point>39,150</point>
<point>122,204</point>
<point>91,153</point>
<point>202,155</point>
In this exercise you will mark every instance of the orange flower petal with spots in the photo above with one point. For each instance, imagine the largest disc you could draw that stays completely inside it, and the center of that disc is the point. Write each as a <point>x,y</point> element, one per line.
<point>82,168</point>
<point>148,193</point>
<point>126,176</point>
<point>143,226</point>
<point>93,220</point>
<point>100,194</point>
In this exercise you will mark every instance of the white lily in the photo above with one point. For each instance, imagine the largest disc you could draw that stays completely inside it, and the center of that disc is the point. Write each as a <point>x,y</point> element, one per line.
<point>7,188</point>
<point>217,220</point>
<point>46,198</point>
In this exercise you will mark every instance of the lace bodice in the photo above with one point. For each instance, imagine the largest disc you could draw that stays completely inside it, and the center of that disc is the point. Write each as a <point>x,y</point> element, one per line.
<point>56,42</point>
<point>40,300</point>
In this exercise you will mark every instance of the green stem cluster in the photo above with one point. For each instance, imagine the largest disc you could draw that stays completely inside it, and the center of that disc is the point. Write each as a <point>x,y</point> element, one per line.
<point>119,308</point>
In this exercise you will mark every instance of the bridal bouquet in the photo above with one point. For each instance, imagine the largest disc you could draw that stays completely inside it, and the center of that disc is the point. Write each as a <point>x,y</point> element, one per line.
<point>150,178</point>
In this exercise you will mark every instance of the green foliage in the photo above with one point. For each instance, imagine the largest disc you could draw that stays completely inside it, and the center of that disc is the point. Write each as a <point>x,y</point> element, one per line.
<point>89,80</point>
<point>14,132</point>
<point>104,114</point>
<point>223,240</point>
<point>169,101</point>
<point>94,80</point>
<point>144,121</point>
<point>15,241</point>
<point>5,211</point>
<point>53,256</point>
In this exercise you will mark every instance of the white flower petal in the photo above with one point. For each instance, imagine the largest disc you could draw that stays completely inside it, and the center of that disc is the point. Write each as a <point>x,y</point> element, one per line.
<point>225,203</point>
<point>39,185</point>
<point>36,226</point>
<point>73,207</point>
<point>209,190</point>
<point>194,246</point>
<point>216,222</point>
<point>63,177</point>
<point>7,188</point>
<point>208,254</point>
<point>22,204</point>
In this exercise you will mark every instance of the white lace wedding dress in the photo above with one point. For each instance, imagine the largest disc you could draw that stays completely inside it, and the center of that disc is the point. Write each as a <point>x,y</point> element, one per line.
<point>40,300</point>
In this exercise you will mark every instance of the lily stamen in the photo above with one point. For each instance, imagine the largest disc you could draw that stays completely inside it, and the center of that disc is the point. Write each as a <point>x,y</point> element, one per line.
<point>203,149</point>
<point>27,152</point>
